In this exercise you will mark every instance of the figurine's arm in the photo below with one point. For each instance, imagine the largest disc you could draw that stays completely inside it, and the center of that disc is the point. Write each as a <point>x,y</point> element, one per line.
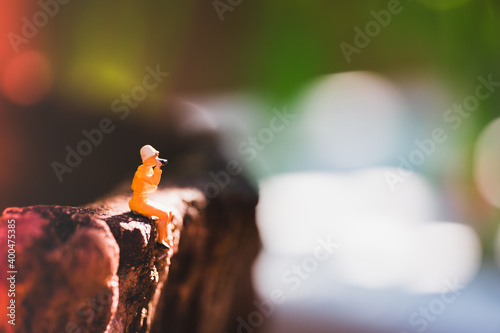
<point>152,180</point>
<point>155,178</point>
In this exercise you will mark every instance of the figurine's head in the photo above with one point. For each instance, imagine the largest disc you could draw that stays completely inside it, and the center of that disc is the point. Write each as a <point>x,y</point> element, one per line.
<point>149,155</point>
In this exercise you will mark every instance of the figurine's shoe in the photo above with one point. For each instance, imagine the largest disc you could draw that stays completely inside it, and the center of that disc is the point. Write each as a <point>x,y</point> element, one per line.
<point>163,245</point>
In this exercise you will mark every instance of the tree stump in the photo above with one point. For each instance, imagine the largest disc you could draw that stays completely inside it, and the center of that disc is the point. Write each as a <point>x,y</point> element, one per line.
<point>97,269</point>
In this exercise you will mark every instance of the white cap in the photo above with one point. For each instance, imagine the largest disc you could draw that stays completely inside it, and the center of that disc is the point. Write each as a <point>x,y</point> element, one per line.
<point>148,151</point>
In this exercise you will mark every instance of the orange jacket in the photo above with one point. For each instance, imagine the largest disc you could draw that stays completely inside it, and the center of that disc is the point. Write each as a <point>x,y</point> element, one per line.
<point>145,181</point>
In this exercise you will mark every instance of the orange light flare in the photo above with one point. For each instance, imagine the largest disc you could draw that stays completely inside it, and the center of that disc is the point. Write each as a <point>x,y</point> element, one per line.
<point>25,74</point>
<point>27,78</point>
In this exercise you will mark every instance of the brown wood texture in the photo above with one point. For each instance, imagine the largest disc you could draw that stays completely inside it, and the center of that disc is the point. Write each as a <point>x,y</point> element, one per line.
<point>97,269</point>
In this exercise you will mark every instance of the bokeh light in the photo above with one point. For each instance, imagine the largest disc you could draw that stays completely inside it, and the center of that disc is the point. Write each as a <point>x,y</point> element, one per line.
<point>344,114</point>
<point>386,239</point>
<point>324,201</point>
<point>487,163</point>
<point>27,78</point>
<point>100,79</point>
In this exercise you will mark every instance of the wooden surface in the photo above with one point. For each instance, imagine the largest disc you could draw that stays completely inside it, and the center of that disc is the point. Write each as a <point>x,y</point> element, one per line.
<point>97,268</point>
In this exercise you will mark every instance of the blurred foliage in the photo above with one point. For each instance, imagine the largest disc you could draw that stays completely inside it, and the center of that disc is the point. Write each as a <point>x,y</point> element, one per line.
<point>274,47</point>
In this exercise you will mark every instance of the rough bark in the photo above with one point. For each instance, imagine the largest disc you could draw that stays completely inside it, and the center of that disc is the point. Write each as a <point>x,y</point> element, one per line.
<point>97,268</point>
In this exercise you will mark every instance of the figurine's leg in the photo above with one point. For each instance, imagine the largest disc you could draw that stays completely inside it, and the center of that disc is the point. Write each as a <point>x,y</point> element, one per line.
<point>152,209</point>
<point>163,232</point>
<point>165,226</point>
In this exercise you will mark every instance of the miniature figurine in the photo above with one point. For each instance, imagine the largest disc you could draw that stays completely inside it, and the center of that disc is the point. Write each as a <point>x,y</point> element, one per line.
<point>146,180</point>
